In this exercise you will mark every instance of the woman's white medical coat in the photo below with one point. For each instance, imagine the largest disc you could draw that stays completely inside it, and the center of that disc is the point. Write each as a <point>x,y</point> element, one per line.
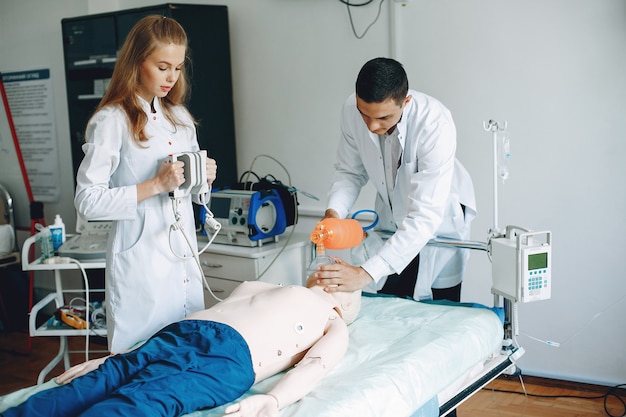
<point>431,184</point>
<point>147,285</point>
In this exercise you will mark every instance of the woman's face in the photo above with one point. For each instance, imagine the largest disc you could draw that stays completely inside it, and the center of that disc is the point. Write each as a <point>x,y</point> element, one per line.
<point>160,71</point>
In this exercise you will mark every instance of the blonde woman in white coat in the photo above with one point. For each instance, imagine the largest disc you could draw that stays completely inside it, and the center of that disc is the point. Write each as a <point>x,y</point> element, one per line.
<point>126,176</point>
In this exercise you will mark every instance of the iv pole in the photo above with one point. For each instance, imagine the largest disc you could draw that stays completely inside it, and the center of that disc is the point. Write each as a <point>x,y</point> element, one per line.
<point>510,307</point>
<point>494,128</point>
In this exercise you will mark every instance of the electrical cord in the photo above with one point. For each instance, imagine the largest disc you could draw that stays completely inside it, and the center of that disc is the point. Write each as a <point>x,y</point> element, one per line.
<point>178,226</point>
<point>581,328</point>
<point>90,324</point>
<point>95,313</point>
<point>215,226</point>
<point>347,2</point>
<point>612,392</point>
<point>246,180</point>
<point>86,282</point>
<point>278,253</point>
<point>349,5</point>
<point>262,155</point>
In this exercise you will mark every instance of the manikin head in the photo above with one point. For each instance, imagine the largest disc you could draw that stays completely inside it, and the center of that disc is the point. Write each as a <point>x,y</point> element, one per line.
<point>348,303</point>
<point>381,94</point>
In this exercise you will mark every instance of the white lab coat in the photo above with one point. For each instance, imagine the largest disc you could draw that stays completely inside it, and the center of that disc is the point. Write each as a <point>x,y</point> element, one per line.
<point>430,185</point>
<point>147,286</point>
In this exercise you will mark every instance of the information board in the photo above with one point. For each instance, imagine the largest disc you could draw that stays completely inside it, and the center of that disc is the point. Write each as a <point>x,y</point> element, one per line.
<point>13,172</point>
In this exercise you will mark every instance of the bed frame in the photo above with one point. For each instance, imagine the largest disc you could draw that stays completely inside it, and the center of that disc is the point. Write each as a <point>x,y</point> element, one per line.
<point>492,369</point>
<point>499,364</point>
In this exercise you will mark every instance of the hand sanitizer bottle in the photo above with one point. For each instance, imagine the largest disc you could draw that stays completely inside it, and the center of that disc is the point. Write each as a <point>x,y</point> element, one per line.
<point>58,233</point>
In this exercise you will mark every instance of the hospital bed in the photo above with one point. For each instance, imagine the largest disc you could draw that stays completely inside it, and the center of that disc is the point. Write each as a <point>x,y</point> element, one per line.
<point>406,358</point>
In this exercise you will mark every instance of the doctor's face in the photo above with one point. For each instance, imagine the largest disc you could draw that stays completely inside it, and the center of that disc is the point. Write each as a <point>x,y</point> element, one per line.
<point>160,71</point>
<point>382,117</point>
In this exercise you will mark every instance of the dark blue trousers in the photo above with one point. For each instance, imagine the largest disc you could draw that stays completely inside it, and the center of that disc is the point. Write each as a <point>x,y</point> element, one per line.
<point>187,366</point>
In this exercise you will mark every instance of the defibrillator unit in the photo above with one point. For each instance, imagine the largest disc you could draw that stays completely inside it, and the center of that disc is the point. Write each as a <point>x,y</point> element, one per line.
<point>247,217</point>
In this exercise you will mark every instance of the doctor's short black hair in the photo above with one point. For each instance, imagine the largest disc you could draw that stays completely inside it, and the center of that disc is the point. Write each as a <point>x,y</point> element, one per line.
<point>381,79</point>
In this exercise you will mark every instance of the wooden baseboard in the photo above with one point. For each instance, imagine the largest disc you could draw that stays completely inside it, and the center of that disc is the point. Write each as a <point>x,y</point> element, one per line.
<point>559,383</point>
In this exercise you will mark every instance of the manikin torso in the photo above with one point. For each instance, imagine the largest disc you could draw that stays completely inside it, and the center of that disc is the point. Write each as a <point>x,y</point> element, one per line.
<point>279,323</point>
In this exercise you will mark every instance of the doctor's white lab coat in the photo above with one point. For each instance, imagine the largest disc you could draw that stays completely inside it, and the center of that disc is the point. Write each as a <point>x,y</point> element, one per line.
<point>147,285</point>
<point>430,186</point>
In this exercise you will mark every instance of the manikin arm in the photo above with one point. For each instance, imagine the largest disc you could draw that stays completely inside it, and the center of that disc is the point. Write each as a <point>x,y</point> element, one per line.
<point>84,368</point>
<point>79,370</point>
<point>300,380</point>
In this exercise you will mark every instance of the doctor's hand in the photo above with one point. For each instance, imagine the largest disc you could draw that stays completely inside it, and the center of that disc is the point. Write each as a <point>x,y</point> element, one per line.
<point>211,170</point>
<point>79,370</point>
<point>330,214</point>
<point>261,405</point>
<point>340,276</point>
<point>170,175</point>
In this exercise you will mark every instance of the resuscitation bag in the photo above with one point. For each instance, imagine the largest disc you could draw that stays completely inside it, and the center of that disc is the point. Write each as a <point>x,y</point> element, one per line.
<point>369,245</point>
<point>334,233</point>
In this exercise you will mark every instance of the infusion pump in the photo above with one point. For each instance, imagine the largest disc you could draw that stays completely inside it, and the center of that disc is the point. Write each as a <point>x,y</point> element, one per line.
<point>522,265</point>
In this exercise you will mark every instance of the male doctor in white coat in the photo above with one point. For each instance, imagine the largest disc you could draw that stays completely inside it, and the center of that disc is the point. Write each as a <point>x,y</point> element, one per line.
<point>404,142</point>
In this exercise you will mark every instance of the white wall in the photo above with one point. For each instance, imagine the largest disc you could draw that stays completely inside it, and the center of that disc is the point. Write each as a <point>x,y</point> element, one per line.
<point>553,69</point>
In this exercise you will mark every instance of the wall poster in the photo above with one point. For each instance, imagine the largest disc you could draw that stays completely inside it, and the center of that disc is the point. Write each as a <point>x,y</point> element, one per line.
<point>30,98</point>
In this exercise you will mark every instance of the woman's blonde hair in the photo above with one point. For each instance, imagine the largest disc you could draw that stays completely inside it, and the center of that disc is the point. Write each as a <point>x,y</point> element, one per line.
<point>147,34</point>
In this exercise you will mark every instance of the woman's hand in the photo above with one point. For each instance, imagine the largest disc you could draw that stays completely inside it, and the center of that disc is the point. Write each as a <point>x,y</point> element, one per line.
<point>261,405</point>
<point>211,170</point>
<point>170,175</point>
<point>79,370</point>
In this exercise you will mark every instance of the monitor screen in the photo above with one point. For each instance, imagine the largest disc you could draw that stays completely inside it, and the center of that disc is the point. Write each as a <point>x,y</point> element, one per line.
<point>538,261</point>
<point>220,207</point>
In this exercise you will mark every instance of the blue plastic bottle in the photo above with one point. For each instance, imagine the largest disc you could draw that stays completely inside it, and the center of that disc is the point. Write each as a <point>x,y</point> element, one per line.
<point>57,230</point>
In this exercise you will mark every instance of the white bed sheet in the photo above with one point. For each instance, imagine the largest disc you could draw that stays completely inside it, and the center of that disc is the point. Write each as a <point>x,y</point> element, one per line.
<point>402,354</point>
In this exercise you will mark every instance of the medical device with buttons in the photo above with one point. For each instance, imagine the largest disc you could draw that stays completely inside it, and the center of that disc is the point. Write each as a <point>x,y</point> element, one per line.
<point>194,172</point>
<point>248,216</point>
<point>522,265</point>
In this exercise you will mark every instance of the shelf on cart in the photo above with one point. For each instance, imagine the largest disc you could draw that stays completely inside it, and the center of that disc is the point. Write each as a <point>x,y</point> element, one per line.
<point>44,330</point>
